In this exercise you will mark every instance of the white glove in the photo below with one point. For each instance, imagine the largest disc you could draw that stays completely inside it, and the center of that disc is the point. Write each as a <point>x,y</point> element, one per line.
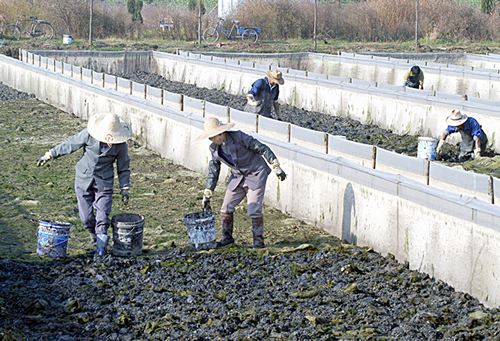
<point>251,100</point>
<point>477,153</point>
<point>44,159</point>
<point>439,147</point>
<point>277,170</point>
<point>207,195</point>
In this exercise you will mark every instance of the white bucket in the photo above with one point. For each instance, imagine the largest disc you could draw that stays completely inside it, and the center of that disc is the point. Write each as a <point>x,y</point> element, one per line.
<point>67,39</point>
<point>426,148</point>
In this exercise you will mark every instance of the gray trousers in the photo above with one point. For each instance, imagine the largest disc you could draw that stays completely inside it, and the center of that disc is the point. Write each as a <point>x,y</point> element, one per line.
<point>255,200</point>
<point>93,199</point>
<point>468,144</point>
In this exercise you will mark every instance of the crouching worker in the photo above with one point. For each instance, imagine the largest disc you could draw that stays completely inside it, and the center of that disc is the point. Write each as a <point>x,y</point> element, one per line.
<point>103,143</point>
<point>474,139</point>
<point>414,78</point>
<point>246,158</point>
<point>262,97</point>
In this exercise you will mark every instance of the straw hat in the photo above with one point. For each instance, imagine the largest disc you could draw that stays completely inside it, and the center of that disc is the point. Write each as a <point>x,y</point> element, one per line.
<point>275,76</point>
<point>456,118</point>
<point>213,127</point>
<point>109,128</point>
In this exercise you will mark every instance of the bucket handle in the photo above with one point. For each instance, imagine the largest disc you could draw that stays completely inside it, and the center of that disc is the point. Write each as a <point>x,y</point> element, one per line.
<point>57,244</point>
<point>131,232</point>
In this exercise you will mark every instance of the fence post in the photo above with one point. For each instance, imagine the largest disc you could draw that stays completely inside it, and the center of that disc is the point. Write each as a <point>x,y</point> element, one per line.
<point>161,94</point>
<point>491,189</point>
<point>325,139</point>
<point>427,171</point>
<point>289,132</point>
<point>257,123</point>
<point>130,87</point>
<point>145,91</point>
<point>81,73</point>
<point>374,157</point>
<point>182,102</point>
<point>116,83</point>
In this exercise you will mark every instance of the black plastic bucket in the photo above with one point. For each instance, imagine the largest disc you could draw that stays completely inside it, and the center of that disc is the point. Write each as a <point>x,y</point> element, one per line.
<point>127,234</point>
<point>201,229</point>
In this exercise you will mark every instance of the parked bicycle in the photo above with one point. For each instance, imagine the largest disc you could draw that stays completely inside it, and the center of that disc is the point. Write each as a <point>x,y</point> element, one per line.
<point>31,27</point>
<point>250,34</point>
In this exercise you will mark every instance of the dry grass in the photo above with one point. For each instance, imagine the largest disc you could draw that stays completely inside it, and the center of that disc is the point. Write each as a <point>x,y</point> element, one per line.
<point>371,20</point>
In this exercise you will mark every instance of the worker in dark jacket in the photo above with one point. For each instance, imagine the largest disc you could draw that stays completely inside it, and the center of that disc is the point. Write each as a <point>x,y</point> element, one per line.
<point>247,158</point>
<point>103,143</point>
<point>414,78</point>
<point>262,98</point>
<point>474,139</point>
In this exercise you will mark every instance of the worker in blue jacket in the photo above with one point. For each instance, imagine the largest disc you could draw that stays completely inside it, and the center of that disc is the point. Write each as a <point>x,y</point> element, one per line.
<point>262,97</point>
<point>104,142</point>
<point>474,139</point>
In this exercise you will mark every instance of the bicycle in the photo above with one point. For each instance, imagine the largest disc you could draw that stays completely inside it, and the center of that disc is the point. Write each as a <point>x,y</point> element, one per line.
<point>38,28</point>
<point>212,34</point>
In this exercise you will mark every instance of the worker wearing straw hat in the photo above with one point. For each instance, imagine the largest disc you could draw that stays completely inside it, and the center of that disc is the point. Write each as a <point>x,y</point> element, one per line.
<point>474,139</point>
<point>262,97</point>
<point>246,158</point>
<point>104,143</point>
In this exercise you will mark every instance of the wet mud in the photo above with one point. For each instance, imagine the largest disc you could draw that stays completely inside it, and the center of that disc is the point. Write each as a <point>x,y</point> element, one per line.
<point>320,293</point>
<point>352,129</point>
<point>335,125</point>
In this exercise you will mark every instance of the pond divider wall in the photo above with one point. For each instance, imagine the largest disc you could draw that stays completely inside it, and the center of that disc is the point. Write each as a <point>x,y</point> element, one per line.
<point>367,155</point>
<point>400,109</point>
<point>452,237</point>
<point>445,78</point>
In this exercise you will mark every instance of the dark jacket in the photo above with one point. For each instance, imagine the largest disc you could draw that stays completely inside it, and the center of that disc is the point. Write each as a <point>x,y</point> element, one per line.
<point>247,155</point>
<point>265,95</point>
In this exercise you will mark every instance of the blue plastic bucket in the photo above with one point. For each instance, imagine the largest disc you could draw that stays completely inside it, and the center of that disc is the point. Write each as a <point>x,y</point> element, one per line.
<point>426,148</point>
<point>52,239</point>
<point>201,229</point>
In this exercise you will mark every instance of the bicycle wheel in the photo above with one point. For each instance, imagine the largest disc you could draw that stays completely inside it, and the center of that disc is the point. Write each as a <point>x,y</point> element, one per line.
<point>210,35</point>
<point>43,30</point>
<point>250,35</point>
<point>12,32</point>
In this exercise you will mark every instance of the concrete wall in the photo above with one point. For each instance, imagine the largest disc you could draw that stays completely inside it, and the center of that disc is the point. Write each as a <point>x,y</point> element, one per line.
<point>446,78</point>
<point>454,239</point>
<point>402,110</point>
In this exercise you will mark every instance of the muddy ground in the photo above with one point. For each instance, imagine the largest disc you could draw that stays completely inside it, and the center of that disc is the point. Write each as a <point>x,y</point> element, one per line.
<point>304,285</point>
<point>336,125</point>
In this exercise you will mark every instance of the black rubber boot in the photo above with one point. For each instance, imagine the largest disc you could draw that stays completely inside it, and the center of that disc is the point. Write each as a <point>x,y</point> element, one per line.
<point>258,232</point>
<point>227,229</point>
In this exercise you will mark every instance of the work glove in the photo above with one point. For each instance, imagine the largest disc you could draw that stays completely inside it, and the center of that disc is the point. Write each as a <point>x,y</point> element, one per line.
<point>205,202</point>
<point>477,153</point>
<point>439,147</point>
<point>125,195</point>
<point>278,171</point>
<point>251,100</point>
<point>44,159</point>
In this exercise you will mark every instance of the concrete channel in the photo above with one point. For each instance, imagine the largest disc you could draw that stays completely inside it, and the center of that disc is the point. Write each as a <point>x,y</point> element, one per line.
<point>364,205</point>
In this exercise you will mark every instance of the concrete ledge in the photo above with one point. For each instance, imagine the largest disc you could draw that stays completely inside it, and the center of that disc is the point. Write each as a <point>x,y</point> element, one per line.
<point>216,110</point>
<point>194,105</point>
<point>467,183</point>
